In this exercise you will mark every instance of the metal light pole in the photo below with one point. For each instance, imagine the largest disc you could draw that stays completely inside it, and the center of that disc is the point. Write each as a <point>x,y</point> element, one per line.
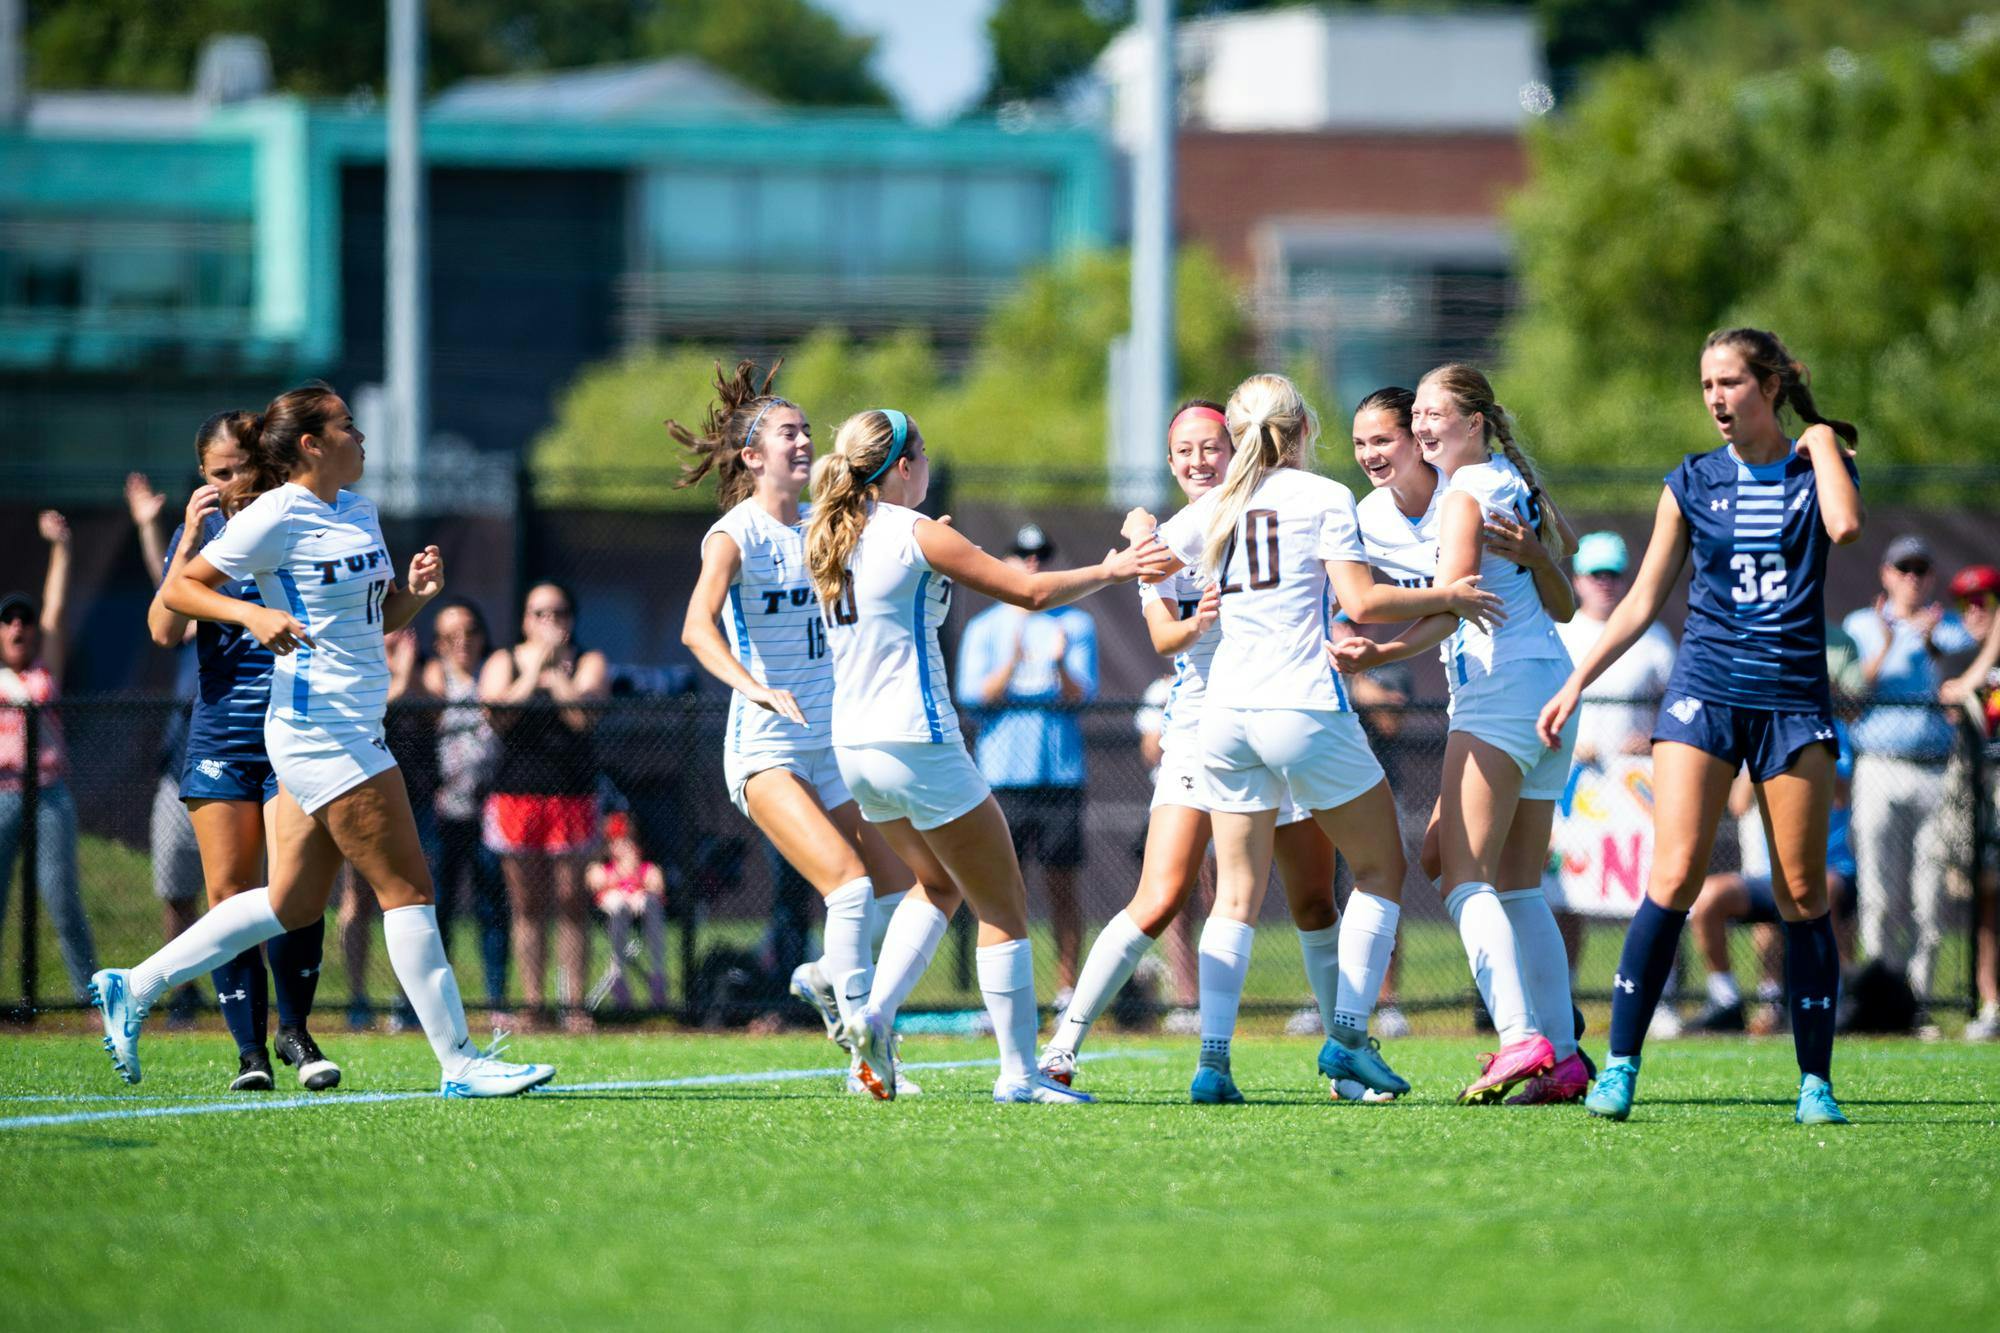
<point>406,335</point>
<point>1140,437</point>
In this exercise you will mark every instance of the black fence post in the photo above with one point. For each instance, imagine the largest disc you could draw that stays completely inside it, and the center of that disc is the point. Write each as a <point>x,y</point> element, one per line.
<point>31,855</point>
<point>1973,737</point>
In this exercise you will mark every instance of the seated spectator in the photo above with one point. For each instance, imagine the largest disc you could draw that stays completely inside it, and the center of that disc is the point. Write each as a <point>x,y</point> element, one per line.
<point>541,818</point>
<point>629,890</point>
<point>32,653</point>
<point>1902,742</point>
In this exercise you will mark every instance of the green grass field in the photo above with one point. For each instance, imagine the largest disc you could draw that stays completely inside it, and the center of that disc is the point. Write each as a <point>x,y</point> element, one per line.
<point>635,1194</point>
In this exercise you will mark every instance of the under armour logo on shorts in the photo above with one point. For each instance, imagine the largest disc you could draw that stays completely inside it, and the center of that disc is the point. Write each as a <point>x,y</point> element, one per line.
<point>1684,710</point>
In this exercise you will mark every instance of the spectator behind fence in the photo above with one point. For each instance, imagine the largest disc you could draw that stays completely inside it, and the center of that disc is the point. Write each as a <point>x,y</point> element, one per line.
<point>32,652</point>
<point>1975,691</point>
<point>629,890</point>
<point>466,753</point>
<point>1022,671</point>
<point>541,817</point>
<point>1902,742</point>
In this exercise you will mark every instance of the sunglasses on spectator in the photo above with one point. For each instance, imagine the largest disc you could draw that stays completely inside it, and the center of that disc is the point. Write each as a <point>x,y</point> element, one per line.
<point>548,612</point>
<point>1914,568</point>
<point>18,613</point>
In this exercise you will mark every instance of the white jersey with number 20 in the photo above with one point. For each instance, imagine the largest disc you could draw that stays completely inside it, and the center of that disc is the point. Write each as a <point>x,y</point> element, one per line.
<point>1274,590</point>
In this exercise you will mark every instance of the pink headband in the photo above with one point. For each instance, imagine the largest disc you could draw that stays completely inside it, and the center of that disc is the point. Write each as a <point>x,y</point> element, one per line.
<point>1206,413</point>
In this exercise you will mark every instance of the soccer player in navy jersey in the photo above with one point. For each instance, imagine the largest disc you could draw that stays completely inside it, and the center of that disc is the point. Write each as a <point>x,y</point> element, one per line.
<point>227,781</point>
<point>1757,517</point>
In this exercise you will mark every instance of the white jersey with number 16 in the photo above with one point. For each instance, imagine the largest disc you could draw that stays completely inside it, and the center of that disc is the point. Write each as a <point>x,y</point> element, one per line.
<point>774,625</point>
<point>1274,590</point>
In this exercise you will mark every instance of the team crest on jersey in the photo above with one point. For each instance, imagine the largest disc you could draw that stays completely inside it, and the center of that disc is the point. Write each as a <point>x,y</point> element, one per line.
<point>1683,710</point>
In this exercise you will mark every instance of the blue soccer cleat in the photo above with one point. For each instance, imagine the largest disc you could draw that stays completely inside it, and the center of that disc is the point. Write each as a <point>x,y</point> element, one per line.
<point>1213,1087</point>
<point>487,1075</point>
<point>1816,1103</point>
<point>111,992</point>
<point>1364,1064</point>
<point>1611,1099</point>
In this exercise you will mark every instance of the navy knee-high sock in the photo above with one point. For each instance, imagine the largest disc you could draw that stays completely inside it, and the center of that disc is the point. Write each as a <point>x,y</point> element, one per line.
<point>1651,944</point>
<point>239,989</point>
<point>1812,985</point>
<point>295,958</point>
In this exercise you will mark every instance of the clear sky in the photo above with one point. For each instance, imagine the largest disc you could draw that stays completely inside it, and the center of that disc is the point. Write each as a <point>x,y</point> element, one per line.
<point>932,54</point>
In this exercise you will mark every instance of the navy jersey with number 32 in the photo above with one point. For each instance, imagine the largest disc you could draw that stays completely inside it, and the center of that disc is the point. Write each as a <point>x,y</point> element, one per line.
<point>1756,625</point>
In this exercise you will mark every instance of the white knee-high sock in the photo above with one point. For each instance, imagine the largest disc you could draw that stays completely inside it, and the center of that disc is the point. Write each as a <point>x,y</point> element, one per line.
<point>225,930</point>
<point>1496,965</point>
<point>913,937</point>
<point>878,921</point>
<point>1321,951</point>
<point>1367,940</point>
<point>416,952</point>
<point>1113,954</point>
<point>848,957</point>
<point>1007,983</point>
<point>1224,965</point>
<point>1538,943</point>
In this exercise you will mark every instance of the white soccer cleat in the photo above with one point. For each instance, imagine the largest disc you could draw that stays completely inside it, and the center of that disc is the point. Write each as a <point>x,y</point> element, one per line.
<point>873,1044</point>
<point>111,992</point>
<point>810,986</point>
<point>905,1085</point>
<point>487,1075</point>
<point>1038,1087</point>
<point>1058,1064</point>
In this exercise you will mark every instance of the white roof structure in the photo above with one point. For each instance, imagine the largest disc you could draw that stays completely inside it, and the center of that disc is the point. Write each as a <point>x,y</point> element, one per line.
<point>676,85</point>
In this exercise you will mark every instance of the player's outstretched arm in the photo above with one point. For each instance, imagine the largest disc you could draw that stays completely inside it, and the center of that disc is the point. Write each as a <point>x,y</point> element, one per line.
<point>1666,555</point>
<point>951,555</point>
<point>426,581</point>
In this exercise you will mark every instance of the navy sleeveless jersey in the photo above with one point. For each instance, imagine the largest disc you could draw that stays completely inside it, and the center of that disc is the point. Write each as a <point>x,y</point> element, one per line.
<point>234,674</point>
<point>1756,625</point>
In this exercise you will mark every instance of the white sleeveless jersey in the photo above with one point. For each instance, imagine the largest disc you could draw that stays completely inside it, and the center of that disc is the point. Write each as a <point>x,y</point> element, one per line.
<point>1528,633</point>
<point>1180,721</point>
<point>888,671</point>
<point>1404,549</point>
<point>775,628</point>
<point>328,566</point>
<point>1275,595</point>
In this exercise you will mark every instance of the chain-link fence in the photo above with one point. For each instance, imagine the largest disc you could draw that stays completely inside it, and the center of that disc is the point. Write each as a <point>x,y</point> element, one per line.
<point>110,836</point>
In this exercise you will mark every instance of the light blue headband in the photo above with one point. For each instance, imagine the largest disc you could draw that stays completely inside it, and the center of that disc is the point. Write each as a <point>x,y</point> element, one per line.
<point>750,436</point>
<point>899,427</point>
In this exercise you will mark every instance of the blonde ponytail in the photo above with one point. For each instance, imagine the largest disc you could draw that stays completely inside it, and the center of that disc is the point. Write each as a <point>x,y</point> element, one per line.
<point>1270,426</point>
<point>1471,392</point>
<point>840,498</point>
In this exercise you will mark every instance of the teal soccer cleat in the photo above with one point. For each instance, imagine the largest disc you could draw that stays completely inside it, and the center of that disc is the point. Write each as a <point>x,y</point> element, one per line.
<point>1816,1103</point>
<point>1364,1064</point>
<point>111,992</point>
<point>1611,1099</point>
<point>1213,1087</point>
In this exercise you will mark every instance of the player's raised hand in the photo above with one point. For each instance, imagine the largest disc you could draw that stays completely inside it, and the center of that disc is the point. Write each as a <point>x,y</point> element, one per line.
<point>1139,524</point>
<point>206,500</point>
<point>780,702</point>
<point>276,630</point>
<point>140,497</point>
<point>426,573</point>
<point>1470,602</point>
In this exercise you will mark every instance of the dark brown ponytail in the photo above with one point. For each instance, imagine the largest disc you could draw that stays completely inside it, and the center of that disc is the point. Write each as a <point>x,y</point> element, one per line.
<point>729,428</point>
<point>271,439</point>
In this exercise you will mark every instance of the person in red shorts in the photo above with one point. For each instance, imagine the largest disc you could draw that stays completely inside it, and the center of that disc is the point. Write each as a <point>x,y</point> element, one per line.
<point>541,819</point>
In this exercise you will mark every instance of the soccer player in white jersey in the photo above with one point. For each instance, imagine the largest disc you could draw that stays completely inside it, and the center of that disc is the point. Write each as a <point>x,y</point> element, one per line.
<point>316,551</point>
<point>884,573</point>
<point>1399,526</point>
<point>1181,614</point>
<point>1273,538</point>
<point>1497,797</point>
<point>778,749</point>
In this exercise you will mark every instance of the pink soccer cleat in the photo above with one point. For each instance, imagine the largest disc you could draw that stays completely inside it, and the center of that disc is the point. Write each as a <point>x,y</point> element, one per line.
<point>1517,1062</point>
<point>1567,1082</point>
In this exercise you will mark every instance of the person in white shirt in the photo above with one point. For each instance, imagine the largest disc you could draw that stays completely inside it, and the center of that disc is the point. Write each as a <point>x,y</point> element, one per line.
<point>778,749</point>
<point>1500,785</point>
<point>1273,540</point>
<point>1181,617</point>
<point>329,594</point>
<point>884,575</point>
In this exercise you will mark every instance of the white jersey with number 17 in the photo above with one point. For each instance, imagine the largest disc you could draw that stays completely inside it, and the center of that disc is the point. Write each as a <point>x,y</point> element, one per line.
<point>774,626</point>
<point>327,565</point>
<point>1275,590</point>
